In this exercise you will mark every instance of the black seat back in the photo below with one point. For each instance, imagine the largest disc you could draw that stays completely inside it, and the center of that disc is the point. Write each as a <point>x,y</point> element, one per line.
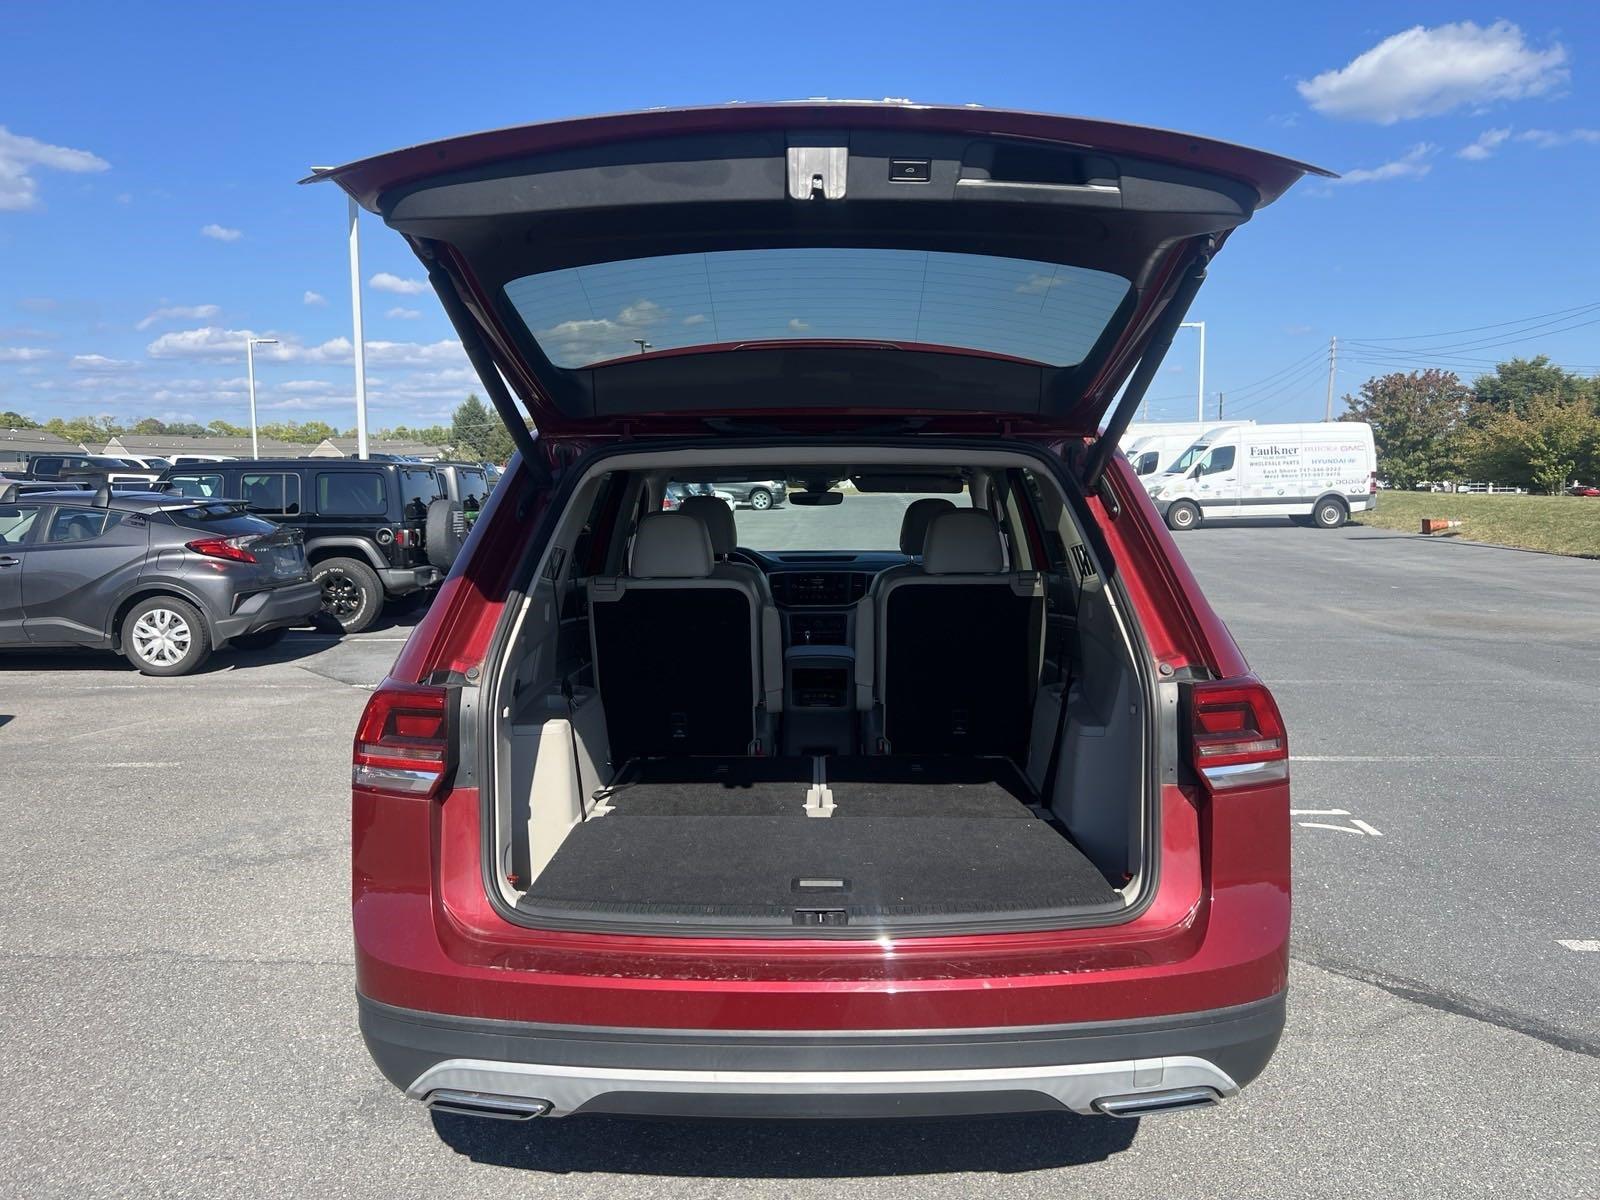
<point>961,646</point>
<point>675,650</point>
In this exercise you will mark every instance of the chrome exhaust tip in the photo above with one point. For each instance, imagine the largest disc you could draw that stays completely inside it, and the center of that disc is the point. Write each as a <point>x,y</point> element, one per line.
<point>1141,1104</point>
<point>486,1104</point>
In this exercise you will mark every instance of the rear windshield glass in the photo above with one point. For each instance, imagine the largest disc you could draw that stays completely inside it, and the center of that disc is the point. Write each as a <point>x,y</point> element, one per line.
<point>860,521</point>
<point>219,520</point>
<point>1042,312</point>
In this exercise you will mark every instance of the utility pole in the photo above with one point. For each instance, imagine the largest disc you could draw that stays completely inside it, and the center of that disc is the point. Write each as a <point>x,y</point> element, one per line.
<point>1333,369</point>
<point>1219,405</point>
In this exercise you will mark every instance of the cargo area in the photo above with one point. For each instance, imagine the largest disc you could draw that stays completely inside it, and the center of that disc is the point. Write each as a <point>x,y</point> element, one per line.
<point>913,707</point>
<point>818,842</point>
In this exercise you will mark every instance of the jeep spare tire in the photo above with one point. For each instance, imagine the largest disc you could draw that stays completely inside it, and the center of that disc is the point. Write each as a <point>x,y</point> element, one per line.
<point>446,533</point>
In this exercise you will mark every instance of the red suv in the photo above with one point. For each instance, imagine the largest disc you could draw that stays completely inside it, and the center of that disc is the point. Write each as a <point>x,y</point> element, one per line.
<point>939,789</point>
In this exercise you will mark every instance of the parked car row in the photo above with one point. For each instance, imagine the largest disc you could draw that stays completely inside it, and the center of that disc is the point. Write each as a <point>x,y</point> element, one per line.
<point>228,552</point>
<point>160,578</point>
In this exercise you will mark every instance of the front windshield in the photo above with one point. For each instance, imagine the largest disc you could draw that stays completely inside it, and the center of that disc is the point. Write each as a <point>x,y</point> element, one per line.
<point>860,521</point>
<point>1189,457</point>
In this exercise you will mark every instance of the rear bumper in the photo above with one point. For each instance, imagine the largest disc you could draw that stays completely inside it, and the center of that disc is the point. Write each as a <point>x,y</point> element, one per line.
<point>402,581</point>
<point>273,609</point>
<point>1140,1064</point>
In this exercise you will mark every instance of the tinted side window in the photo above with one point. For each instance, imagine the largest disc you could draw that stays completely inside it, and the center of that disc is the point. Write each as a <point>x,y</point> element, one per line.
<point>202,487</point>
<point>270,491</point>
<point>351,494</point>
<point>418,485</point>
<point>1147,463</point>
<point>1219,460</point>
<point>80,524</point>
<point>474,485</point>
<point>47,468</point>
<point>15,521</point>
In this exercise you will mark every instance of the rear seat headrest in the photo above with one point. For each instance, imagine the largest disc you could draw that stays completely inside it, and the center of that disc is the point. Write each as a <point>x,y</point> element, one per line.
<point>914,525</point>
<point>965,541</point>
<point>717,517</point>
<point>670,545</point>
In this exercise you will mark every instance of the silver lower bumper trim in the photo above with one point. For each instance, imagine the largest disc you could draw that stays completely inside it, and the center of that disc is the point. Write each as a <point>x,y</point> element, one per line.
<point>567,1089</point>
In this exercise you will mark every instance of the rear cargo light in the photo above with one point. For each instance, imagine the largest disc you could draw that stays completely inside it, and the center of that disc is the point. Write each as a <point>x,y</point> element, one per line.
<point>1237,735</point>
<point>403,741</point>
<point>234,548</point>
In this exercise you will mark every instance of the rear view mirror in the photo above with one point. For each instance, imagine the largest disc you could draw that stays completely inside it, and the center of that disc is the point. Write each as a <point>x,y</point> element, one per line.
<point>816,499</point>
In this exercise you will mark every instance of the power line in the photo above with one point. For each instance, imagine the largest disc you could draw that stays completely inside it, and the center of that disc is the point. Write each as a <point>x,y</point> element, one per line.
<point>1419,337</point>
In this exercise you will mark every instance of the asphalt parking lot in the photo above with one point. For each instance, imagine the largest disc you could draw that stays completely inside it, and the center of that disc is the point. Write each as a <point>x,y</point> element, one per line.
<point>177,981</point>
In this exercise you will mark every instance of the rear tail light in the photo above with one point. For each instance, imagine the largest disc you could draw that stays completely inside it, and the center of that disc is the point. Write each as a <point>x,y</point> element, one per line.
<point>1372,483</point>
<point>403,537</point>
<point>236,549</point>
<point>403,742</point>
<point>1237,735</point>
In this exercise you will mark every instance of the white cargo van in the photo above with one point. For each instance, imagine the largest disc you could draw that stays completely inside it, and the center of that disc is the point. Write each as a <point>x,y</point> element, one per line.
<point>1316,473</point>
<point>1155,453</point>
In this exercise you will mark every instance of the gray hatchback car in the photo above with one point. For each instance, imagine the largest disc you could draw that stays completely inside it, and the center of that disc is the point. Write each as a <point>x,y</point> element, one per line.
<point>161,578</point>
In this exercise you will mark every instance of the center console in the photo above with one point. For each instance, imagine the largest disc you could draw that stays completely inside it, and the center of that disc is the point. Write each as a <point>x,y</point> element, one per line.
<point>818,610</point>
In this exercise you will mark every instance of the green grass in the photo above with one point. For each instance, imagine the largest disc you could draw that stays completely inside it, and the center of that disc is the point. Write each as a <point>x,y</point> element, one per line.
<point>1554,524</point>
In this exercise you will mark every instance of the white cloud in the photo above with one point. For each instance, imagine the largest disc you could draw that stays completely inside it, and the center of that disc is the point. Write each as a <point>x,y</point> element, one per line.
<point>402,314</point>
<point>385,282</point>
<point>1486,144</point>
<point>1038,284</point>
<point>22,353</point>
<point>314,299</point>
<point>187,312</point>
<point>207,342</point>
<point>99,362</point>
<point>1424,72</point>
<point>20,156</point>
<point>124,197</point>
<point>212,342</point>
<point>696,319</point>
<point>1413,164</point>
<point>1549,139</point>
<point>796,325</point>
<point>220,233</point>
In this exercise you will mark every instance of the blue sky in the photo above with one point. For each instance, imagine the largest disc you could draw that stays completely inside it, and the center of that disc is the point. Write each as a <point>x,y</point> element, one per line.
<point>149,217</point>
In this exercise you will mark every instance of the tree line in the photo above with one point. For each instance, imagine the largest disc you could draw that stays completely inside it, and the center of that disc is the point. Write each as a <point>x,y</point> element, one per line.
<point>1530,423</point>
<point>474,432</point>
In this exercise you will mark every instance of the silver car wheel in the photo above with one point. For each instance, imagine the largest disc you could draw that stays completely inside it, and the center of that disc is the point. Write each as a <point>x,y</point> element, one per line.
<point>161,637</point>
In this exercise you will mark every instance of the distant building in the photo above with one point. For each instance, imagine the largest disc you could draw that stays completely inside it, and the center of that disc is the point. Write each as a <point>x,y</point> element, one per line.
<point>17,444</point>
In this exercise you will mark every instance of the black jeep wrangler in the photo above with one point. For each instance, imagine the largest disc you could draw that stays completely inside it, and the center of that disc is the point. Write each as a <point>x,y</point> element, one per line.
<point>374,531</point>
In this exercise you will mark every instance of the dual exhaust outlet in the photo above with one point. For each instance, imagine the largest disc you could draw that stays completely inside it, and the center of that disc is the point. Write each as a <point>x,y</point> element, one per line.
<point>525,1108</point>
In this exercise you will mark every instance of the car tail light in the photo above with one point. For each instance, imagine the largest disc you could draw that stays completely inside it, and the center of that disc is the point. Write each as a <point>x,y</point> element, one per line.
<point>402,537</point>
<point>235,548</point>
<point>1372,483</point>
<point>1237,735</point>
<point>403,741</point>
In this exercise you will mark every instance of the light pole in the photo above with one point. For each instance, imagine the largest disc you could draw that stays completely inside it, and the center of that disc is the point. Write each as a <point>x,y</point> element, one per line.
<point>250,345</point>
<point>360,343</point>
<point>1200,392</point>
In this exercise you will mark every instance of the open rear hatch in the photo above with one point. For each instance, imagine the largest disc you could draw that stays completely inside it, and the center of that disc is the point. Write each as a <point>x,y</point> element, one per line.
<point>858,261</point>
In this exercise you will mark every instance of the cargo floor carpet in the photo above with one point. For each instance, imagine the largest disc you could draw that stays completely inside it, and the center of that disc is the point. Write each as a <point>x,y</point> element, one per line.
<point>767,866</point>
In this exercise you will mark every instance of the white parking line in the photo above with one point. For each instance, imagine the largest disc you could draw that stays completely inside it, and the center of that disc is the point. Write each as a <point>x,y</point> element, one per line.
<point>1364,827</point>
<point>1583,945</point>
<point>1340,828</point>
<point>1395,758</point>
<point>1319,812</point>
